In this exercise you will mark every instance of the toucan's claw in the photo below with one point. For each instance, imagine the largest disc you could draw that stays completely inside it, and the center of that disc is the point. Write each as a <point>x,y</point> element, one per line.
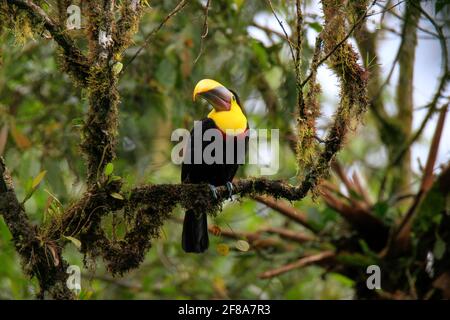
<point>230,189</point>
<point>214,191</point>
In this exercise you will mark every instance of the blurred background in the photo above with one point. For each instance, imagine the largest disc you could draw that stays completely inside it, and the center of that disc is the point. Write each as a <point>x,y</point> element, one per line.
<point>41,113</point>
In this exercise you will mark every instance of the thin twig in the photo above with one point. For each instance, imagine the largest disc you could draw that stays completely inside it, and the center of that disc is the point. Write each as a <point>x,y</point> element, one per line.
<point>205,31</point>
<point>291,47</point>
<point>432,105</point>
<point>394,63</point>
<point>360,20</point>
<point>428,178</point>
<point>320,257</point>
<point>293,235</point>
<point>385,9</point>
<point>152,33</point>
<point>286,210</point>
<point>298,48</point>
<point>268,30</point>
<point>418,27</point>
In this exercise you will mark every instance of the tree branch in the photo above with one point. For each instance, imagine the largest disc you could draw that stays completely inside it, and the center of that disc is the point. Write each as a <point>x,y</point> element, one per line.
<point>131,11</point>
<point>290,234</point>
<point>77,62</point>
<point>40,257</point>
<point>427,181</point>
<point>432,106</point>
<point>340,43</point>
<point>286,210</point>
<point>177,9</point>
<point>205,31</point>
<point>305,261</point>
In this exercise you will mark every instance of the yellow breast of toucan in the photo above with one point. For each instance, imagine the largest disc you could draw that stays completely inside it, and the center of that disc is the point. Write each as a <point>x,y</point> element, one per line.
<point>234,119</point>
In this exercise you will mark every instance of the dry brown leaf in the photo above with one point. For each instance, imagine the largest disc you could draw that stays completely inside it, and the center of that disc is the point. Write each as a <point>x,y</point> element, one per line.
<point>19,138</point>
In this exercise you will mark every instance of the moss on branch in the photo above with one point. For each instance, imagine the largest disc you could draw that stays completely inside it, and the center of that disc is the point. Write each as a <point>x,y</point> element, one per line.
<point>40,258</point>
<point>72,60</point>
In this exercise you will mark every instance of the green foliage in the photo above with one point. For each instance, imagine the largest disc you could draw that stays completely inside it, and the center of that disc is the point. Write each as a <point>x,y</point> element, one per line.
<point>43,114</point>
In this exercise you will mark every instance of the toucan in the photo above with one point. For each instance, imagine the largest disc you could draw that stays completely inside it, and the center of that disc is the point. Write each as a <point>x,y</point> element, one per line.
<point>228,118</point>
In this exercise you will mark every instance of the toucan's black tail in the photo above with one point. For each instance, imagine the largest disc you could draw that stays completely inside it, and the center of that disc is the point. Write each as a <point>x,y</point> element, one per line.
<point>195,232</point>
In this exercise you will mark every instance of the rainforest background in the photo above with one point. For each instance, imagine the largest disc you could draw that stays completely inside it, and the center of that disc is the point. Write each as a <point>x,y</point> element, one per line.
<point>382,200</point>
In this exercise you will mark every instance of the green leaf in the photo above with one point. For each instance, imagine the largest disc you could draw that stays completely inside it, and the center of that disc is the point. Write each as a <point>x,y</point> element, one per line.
<point>316,26</point>
<point>117,196</point>
<point>37,180</point>
<point>117,67</point>
<point>261,54</point>
<point>380,209</point>
<point>77,122</point>
<point>439,248</point>
<point>345,281</point>
<point>29,186</point>
<point>242,245</point>
<point>355,259</point>
<point>223,249</point>
<point>109,169</point>
<point>75,241</point>
<point>439,5</point>
<point>166,74</point>
<point>274,77</point>
<point>366,250</point>
<point>85,295</point>
<point>238,3</point>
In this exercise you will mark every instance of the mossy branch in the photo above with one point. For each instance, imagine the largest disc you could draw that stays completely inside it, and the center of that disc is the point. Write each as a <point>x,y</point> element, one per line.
<point>40,258</point>
<point>148,207</point>
<point>101,124</point>
<point>307,145</point>
<point>75,61</point>
<point>353,82</point>
<point>130,11</point>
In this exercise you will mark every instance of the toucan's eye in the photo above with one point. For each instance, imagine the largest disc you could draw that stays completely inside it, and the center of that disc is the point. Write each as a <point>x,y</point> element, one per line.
<point>233,98</point>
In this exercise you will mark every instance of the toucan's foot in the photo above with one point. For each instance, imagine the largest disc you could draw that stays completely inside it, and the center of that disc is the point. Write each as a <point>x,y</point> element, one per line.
<point>214,191</point>
<point>230,189</point>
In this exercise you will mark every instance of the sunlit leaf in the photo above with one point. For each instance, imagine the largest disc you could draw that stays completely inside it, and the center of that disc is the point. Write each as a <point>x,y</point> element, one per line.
<point>242,245</point>
<point>109,169</point>
<point>316,26</point>
<point>75,241</point>
<point>37,180</point>
<point>85,295</point>
<point>117,196</point>
<point>117,67</point>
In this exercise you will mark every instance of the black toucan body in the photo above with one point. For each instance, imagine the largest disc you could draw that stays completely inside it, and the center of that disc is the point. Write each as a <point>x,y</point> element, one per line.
<point>230,123</point>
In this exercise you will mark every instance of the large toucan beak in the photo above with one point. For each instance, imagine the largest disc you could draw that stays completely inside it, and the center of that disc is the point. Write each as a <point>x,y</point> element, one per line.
<point>215,93</point>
